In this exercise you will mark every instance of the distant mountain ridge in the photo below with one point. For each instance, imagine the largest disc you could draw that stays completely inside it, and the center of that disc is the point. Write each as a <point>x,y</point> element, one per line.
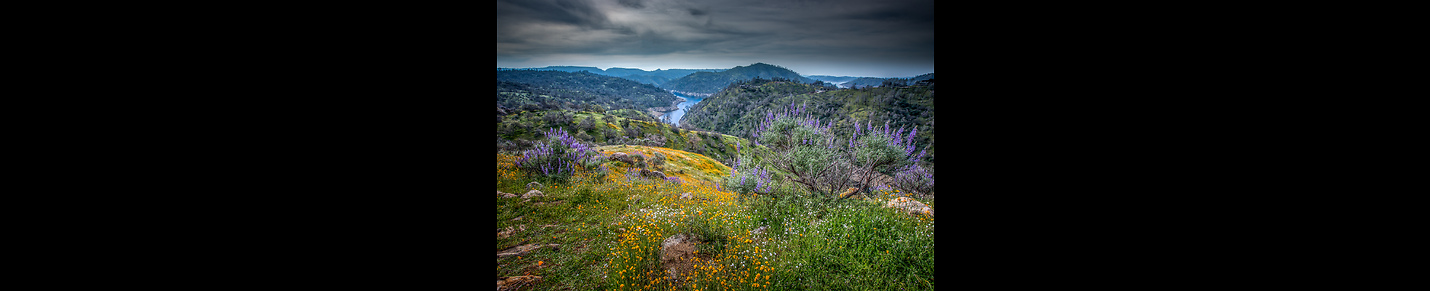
<point>656,77</point>
<point>876,82</point>
<point>831,79</point>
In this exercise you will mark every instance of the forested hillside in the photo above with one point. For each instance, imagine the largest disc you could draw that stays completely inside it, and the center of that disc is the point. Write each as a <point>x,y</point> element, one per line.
<point>739,108</point>
<point>711,82</point>
<point>532,89</point>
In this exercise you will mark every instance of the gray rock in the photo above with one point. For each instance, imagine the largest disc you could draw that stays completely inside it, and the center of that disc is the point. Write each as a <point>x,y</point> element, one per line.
<point>532,193</point>
<point>652,174</point>
<point>533,185</point>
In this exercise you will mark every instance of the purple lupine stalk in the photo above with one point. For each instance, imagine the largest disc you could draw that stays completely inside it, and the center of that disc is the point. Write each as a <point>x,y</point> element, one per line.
<point>898,135</point>
<point>855,136</point>
<point>911,135</point>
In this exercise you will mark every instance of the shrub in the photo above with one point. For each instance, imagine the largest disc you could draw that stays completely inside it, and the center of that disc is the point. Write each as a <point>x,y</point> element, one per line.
<point>810,152</point>
<point>749,176</point>
<point>557,157</point>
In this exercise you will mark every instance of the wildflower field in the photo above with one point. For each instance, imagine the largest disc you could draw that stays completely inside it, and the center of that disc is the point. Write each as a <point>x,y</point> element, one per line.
<point>602,228</point>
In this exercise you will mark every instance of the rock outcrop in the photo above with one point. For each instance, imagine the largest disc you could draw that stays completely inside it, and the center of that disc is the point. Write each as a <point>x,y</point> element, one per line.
<point>910,206</point>
<point>652,174</point>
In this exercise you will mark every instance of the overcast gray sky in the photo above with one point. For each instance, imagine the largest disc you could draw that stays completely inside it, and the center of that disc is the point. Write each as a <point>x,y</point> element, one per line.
<point>875,38</point>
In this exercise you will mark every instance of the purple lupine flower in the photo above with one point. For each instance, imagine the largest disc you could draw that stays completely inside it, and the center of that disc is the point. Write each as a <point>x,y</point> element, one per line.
<point>898,135</point>
<point>911,135</point>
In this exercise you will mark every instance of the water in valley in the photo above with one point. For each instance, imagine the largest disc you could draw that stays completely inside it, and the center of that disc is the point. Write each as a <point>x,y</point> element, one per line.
<point>684,106</point>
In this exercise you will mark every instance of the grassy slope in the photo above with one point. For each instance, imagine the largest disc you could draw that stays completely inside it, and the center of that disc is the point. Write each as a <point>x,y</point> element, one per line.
<point>610,241</point>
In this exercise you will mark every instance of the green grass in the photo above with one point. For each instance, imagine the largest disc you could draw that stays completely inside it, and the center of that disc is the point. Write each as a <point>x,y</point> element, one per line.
<point>809,243</point>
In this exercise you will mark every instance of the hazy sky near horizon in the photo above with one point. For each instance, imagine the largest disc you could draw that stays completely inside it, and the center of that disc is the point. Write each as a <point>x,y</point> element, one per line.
<point>813,37</point>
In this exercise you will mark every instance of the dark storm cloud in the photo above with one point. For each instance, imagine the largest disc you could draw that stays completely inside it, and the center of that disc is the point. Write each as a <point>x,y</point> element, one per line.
<point>632,3</point>
<point>715,34</point>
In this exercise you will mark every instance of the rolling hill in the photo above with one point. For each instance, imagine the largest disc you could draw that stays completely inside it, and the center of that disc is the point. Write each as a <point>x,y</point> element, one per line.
<point>533,89</point>
<point>711,82</point>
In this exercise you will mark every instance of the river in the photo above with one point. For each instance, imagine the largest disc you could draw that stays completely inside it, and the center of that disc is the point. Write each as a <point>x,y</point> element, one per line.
<point>682,107</point>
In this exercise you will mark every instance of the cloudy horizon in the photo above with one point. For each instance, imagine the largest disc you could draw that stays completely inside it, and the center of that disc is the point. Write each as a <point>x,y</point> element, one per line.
<point>820,37</point>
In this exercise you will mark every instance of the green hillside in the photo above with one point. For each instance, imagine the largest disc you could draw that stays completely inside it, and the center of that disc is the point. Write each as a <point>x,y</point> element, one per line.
<point>711,82</point>
<point>532,90</point>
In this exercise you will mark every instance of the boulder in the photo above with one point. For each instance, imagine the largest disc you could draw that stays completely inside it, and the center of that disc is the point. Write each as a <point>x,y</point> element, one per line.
<point>532,193</point>
<point>686,196</point>
<point>533,185</point>
<point>619,157</point>
<point>910,206</point>
<point>677,254</point>
<point>652,174</point>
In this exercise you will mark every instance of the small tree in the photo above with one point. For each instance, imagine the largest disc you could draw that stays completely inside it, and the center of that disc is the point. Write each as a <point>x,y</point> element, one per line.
<point>587,123</point>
